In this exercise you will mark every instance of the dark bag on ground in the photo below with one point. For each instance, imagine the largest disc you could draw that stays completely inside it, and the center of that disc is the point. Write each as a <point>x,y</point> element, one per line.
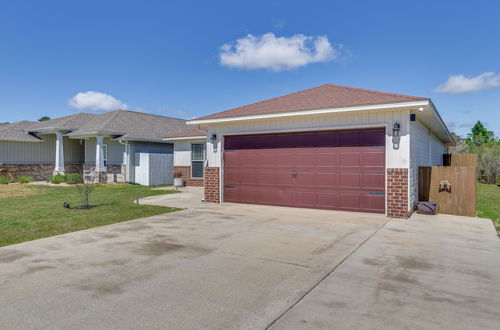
<point>427,207</point>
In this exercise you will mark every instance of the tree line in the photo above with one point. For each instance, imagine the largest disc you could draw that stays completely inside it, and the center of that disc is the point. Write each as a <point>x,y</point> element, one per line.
<point>486,145</point>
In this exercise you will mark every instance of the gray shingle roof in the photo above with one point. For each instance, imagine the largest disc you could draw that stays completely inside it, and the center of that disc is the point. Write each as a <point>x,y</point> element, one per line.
<point>132,125</point>
<point>129,125</point>
<point>67,122</point>
<point>16,132</point>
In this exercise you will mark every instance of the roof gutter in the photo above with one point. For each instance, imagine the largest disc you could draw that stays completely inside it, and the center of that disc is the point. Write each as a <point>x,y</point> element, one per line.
<point>185,138</point>
<point>141,140</point>
<point>441,121</point>
<point>311,112</point>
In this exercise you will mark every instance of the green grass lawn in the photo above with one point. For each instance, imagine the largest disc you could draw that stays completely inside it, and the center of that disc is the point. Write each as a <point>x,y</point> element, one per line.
<point>29,212</point>
<point>488,203</point>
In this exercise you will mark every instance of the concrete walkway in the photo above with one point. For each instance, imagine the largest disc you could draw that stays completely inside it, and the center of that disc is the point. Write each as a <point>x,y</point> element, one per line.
<point>247,266</point>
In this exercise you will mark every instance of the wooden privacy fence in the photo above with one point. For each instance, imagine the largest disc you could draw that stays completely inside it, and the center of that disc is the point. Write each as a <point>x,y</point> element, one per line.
<point>452,187</point>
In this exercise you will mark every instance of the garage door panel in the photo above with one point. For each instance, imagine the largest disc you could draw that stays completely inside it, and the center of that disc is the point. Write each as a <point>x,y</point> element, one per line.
<point>350,138</point>
<point>373,181</point>
<point>238,177</point>
<point>350,201</point>
<point>231,176</point>
<point>305,179</point>
<point>373,158</point>
<point>283,178</point>
<point>373,138</point>
<point>341,170</point>
<point>232,159</point>
<point>350,180</point>
<point>266,196</point>
<point>305,157</point>
<point>285,197</point>
<point>373,203</point>
<point>326,158</point>
<point>327,199</point>
<point>262,159</point>
<point>327,179</point>
<point>265,177</point>
<point>284,159</point>
<point>305,198</point>
<point>350,159</point>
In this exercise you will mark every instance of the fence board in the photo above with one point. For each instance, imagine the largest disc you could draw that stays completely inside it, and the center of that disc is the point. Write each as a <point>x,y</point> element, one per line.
<point>464,160</point>
<point>461,200</point>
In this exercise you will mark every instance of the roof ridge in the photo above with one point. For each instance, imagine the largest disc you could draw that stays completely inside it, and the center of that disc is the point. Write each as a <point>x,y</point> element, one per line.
<point>272,98</point>
<point>114,114</point>
<point>147,113</point>
<point>373,91</point>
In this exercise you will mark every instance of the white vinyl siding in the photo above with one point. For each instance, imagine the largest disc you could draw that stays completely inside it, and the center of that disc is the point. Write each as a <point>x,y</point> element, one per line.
<point>425,150</point>
<point>44,152</point>
<point>437,151</point>
<point>182,152</point>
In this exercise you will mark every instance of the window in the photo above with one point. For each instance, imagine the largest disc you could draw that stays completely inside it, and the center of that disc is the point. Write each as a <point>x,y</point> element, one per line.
<point>105,153</point>
<point>197,158</point>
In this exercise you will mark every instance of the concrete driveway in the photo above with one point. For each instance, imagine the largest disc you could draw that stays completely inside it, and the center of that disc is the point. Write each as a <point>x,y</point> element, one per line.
<point>246,266</point>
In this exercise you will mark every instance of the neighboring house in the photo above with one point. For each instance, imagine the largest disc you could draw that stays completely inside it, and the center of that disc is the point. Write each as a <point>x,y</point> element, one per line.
<point>190,155</point>
<point>329,147</point>
<point>120,145</point>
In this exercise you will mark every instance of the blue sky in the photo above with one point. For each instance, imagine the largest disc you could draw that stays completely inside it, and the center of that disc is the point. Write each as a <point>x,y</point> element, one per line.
<point>169,58</point>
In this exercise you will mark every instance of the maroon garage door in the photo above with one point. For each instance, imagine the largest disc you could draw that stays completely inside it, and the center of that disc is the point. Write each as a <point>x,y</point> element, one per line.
<point>338,170</point>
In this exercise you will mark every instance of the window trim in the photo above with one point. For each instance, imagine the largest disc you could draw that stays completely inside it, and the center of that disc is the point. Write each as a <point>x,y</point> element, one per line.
<point>197,161</point>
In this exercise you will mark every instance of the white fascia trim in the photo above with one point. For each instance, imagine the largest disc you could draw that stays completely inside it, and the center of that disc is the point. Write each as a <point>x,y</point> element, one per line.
<point>201,137</point>
<point>441,121</point>
<point>312,112</point>
<point>20,140</point>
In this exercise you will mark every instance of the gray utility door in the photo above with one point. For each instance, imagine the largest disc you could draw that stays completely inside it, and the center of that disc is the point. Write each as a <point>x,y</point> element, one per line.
<point>154,169</point>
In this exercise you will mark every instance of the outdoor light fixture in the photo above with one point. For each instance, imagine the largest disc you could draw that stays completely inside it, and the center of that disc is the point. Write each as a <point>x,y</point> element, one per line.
<point>395,129</point>
<point>213,139</point>
<point>421,109</point>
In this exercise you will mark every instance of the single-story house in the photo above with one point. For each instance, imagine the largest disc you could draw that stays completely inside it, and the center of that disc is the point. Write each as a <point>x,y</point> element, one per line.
<point>120,145</point>
<point>329,147</point>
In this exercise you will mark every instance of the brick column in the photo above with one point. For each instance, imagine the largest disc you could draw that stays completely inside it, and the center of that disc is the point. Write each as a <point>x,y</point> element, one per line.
<point>212,193</point>
<point>397,192</point>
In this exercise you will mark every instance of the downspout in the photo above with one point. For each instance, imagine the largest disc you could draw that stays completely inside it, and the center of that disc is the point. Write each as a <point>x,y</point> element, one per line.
<point>127,158</point>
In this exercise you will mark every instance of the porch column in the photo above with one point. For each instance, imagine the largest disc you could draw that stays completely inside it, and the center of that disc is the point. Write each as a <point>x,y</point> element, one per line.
<point>59,168</point>
<point>99,154</point>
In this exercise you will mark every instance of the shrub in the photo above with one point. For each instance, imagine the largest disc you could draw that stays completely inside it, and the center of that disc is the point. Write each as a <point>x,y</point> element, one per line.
<point>5,179</point>
<point>57,179</point>
<point>74,178</point>
<point>24,179</point>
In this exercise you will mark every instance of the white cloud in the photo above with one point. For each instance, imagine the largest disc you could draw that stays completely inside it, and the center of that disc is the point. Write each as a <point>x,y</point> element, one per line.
<point>96,101</point>
<point>460,84</point>
<point>277,53</point>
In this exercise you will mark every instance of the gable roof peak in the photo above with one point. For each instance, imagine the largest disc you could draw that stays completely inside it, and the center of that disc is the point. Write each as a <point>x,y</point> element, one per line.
<point>327,96</point>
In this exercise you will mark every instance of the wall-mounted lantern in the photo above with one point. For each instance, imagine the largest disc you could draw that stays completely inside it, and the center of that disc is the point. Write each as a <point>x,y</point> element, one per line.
<point>213,139</point>
<point>395,129</point>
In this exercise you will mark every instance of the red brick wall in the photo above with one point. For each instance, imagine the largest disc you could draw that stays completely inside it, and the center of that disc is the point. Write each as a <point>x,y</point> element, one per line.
<point>397,192</point>
<point>212,193</point>
<point>186,175</point>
